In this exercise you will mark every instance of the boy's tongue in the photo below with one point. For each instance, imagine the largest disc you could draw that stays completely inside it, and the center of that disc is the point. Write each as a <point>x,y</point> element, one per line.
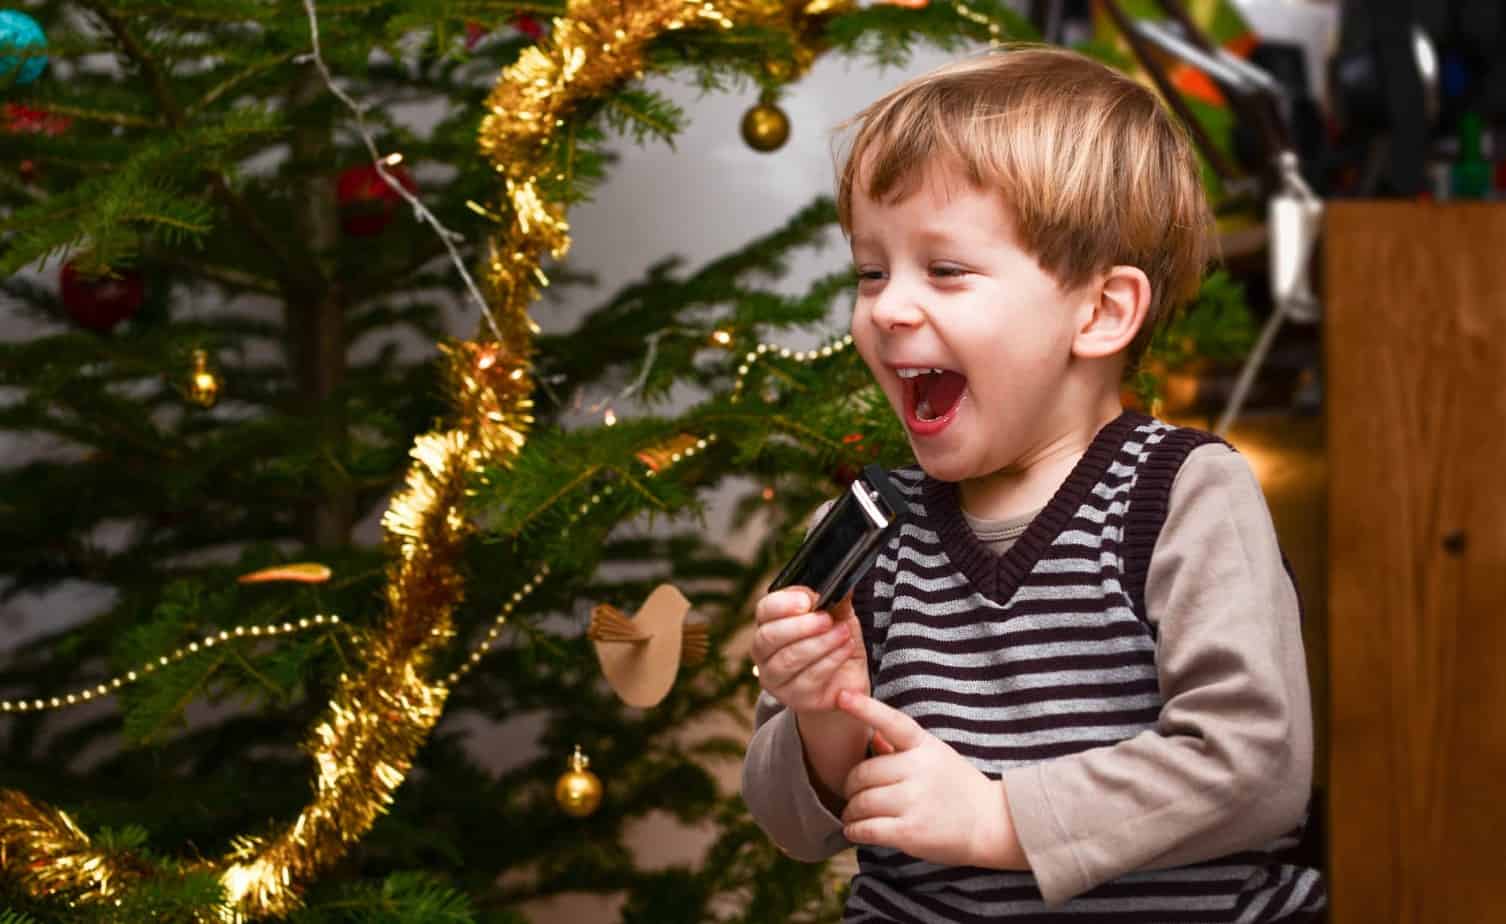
<point>936,392</point>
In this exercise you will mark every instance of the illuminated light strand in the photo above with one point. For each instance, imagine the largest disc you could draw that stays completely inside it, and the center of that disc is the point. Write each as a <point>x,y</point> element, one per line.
<point>493,633</point>
<point>764,350</point>
<point>207,643</point>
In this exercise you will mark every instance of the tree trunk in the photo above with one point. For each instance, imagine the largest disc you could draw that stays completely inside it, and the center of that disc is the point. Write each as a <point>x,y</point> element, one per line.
<point>314,314</point>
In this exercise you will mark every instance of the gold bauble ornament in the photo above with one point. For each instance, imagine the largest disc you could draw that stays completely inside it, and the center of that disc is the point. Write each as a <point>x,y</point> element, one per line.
<point>579,790</point>
<point>203,383</point>
<point>765,127</point>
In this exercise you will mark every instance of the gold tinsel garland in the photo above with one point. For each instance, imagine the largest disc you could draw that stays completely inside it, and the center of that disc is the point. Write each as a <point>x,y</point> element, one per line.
<point>363,747</point>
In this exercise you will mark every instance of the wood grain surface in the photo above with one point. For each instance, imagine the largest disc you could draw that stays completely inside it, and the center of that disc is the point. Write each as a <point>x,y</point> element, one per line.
<point>1415,357</point>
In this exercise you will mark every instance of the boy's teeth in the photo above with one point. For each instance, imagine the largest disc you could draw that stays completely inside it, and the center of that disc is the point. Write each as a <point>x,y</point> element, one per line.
<point>914,373</point>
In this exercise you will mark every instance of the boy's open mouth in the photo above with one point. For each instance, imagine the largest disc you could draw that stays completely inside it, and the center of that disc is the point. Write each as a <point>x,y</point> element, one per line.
<point>932,392</point>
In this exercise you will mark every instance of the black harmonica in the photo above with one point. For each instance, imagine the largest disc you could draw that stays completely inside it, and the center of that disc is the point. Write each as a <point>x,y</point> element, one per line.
<point>840,548</point>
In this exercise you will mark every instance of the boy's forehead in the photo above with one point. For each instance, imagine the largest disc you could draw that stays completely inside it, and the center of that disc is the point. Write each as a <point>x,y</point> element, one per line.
<point>936,185</point>
<point>938,179</point>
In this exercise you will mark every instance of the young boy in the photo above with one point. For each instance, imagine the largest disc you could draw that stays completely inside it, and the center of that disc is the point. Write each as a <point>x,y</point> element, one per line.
<point>1088,691</point>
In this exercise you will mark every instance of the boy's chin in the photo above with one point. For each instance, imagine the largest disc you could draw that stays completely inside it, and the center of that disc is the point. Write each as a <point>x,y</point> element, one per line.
<point>941,466</point>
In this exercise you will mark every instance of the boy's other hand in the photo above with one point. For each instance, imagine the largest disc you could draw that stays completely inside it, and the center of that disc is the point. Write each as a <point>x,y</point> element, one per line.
<point>920,796</point>
<point>804,656</point>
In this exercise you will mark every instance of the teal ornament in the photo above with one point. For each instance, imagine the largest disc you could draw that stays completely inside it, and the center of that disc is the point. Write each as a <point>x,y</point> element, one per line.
<point>19,32</point>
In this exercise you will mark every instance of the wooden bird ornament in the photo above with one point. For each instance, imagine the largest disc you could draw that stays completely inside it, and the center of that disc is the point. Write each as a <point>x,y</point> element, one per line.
<point>640,655</point>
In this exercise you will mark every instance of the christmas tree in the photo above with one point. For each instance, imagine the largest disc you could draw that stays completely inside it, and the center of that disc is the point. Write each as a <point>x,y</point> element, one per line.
<point>216,220</point>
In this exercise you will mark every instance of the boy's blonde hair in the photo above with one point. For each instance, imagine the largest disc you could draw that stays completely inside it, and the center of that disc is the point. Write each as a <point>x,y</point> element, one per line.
<point>1092,168</point>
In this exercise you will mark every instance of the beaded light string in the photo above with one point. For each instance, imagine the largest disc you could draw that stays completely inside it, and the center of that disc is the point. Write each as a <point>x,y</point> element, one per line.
<point>150,667</point>
<point>496,629</point>
<point>767,349</point>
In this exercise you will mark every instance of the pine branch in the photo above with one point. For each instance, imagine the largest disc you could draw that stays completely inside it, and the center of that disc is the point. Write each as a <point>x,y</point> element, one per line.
<point>228,276</point>
<point>375,284</point>
<point>644,114</point>
<point>401,898</point>
<point>104,117</point>
<point>161,91</point>
<point>237,80</point>
<point>157,82</point>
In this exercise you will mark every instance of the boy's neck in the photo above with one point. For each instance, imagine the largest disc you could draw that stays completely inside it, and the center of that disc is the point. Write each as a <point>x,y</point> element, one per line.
<point>1029,483</point>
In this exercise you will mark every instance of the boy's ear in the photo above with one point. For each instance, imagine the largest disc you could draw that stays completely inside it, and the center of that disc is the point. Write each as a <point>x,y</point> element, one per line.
<point>1112,313</point>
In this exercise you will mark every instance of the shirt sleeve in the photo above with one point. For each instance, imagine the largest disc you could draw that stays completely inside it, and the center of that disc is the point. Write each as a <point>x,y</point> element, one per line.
<point>776,783</point>
<point>1228,766</point>
<point>778,790</point>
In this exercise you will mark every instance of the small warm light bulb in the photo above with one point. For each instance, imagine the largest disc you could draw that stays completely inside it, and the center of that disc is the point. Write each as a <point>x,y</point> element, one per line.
<point>610,417</point>
<point>393,159</point>
<point>768,495</point>
<point>721,338</point>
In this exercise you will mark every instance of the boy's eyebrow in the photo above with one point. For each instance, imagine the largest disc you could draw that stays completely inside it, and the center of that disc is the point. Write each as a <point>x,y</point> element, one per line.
<point>925,235</point>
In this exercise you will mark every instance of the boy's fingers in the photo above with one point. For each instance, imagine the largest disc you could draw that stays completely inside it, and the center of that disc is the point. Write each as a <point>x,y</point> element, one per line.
<point>816,676</point>
<point>790,601</point>
<point>881,744</point>
<point>877,802</point>
<point>883,832</point>
<point>872,773</point>
<point>792,661</point>
<point>806,652</point>
<point>899,730</point>
<point>772,636</point>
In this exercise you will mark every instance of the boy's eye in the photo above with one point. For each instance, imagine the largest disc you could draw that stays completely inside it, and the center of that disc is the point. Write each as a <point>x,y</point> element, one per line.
<point>869,275</point>
<point>948,271</point>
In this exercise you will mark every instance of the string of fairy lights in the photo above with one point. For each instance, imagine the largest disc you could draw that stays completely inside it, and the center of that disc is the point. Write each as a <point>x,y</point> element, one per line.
<point>681,453</point>
<point>147,668</point>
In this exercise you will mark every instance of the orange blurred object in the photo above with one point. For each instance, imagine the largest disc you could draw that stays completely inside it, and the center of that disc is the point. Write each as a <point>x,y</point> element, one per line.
<point>303,572</point>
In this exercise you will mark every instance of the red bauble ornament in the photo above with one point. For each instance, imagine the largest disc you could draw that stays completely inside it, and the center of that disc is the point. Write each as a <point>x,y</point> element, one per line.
<point>529,26</point>
<point>20,119</point>
<point>100,302</point>
<point>474,32</point>
<point>366,202</point>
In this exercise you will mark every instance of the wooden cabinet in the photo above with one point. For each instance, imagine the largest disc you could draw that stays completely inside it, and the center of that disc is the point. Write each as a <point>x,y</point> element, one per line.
<point>1415,357</point>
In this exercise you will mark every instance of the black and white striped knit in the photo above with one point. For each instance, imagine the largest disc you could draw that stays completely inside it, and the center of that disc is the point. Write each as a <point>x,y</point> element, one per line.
<point>1038,653</point>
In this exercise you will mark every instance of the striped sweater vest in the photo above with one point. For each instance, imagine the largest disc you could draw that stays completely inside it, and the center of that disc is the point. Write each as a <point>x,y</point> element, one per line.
<point>1041,652</point>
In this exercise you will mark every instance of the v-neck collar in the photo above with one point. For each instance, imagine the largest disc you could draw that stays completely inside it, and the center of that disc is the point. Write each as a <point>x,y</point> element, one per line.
<point>995,576</point>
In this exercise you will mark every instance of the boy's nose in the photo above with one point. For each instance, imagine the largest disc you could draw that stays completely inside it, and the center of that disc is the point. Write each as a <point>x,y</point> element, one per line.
<point>897,308</point>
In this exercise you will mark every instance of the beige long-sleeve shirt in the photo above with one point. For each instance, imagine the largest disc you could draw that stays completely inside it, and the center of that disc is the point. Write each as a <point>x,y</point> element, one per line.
<point>1229,764</point>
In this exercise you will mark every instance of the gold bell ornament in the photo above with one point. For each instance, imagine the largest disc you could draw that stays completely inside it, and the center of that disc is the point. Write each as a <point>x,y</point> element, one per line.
<point>578,791</point>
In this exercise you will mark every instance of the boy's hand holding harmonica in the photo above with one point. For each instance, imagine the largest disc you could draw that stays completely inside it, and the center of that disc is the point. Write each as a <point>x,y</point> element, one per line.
<point>805,658</point>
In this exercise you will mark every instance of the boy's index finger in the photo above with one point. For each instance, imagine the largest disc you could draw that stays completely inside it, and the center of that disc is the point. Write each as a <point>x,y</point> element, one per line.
<point>899,731</point>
